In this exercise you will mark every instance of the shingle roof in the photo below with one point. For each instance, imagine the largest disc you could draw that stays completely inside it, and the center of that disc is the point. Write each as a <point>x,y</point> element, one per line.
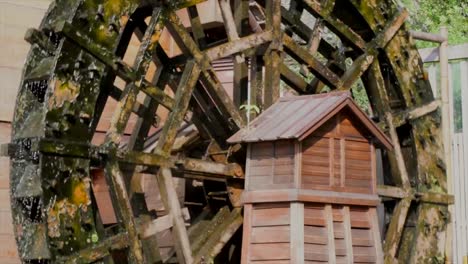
<point>296,117</point>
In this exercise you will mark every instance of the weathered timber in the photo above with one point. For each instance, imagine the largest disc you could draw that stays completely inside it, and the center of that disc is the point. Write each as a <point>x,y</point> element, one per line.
<point>121,203</point>
<point>316,67</point>
<point>362,63</point>
<point>273,56</point>
<point>98,251</point>
<point>395,228</point>
<point>236,46</point>
<point>337,26</point>
<point>78,51</point>
<point>223,231</point>
<point>241,71</point>
<point>197,28</point>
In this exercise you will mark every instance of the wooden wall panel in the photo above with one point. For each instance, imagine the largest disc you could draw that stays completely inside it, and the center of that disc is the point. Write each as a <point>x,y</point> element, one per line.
<point>364,250</point>
<point>337,164</point>
<point>316,246</point>
<point>315,162</point>
<point>271,165</point>
<point>269,236</point>
<point>350,236</point>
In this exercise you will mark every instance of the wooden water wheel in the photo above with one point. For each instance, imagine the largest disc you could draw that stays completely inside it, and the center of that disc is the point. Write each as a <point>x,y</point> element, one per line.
<point>172,116</point>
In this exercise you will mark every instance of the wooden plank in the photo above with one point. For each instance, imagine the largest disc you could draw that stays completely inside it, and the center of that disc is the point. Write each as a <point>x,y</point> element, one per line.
<point>270,234</point>
<point>171,203</point>
<point>182,99</point>
<point>331,239</point>
<point>275,251</point>
<point>121,203</point>
<point>241,71</point>
<point>272,57</point>
<point>395,228</point>
<point>376,235</point>
<point>240,45</point>
<point>297,232</point>
<point>403,173</point>
<point>317,68</point>
<point>347,234</point>
<point>270,216</point>
<point>197,27</point>
<point>336,25</point>
<point>246,234</point>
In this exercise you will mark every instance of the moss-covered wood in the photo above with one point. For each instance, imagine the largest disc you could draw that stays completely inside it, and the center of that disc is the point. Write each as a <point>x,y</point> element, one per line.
<point>78,52</point>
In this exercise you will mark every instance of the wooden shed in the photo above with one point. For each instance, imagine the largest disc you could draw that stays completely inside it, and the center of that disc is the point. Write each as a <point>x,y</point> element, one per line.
<point>310,191</point>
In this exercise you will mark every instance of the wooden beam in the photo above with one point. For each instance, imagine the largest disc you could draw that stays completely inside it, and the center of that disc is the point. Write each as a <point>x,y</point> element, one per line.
<point>121,203</point>
<point>220,236</point>
<point>392,192</point>
<point>144,158</point>
<point>395,229</point>
<point>241,69</point>
<point>171,204</point>
<point>400,118</point>
<point>397,152</point>
<point>362,63</point>
<point>210,167</point>
<point>221,98</point>
<point>438,38</point>
<point>182,99</point>
<point>273,57</point>
<point>337,26</point>
<point>240,45</point>
<point>197,27</point>
<point>318,69</point>
<point>314,42</point>
<point>160,224</point>
<point>97,251</point>
<point>293,80</point>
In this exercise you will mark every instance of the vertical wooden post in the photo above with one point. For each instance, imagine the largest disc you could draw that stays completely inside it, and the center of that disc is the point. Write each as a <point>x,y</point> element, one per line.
<point>272,58</point>
<point>446,130</point>
<point>297,233</point>
<point>241,18</point>
<point>330,234</point>
<point>348,235</point>
<point>246,233</point>
<point>463,139</point>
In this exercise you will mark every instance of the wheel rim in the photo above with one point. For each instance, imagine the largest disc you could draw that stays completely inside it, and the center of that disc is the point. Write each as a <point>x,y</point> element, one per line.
<point>70,73</point>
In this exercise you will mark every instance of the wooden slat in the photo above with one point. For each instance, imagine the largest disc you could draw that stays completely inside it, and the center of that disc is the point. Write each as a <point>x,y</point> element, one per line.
<point>276,251</point>
<point>270,216</point>
<point>270,234</point>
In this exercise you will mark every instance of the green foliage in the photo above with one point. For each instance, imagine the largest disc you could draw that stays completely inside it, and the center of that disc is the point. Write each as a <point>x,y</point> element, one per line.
<point>430,15</point>
<point>250,109</point>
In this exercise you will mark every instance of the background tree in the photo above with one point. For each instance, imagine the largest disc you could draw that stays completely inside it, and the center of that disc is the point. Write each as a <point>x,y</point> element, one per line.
<point>430,15</point>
